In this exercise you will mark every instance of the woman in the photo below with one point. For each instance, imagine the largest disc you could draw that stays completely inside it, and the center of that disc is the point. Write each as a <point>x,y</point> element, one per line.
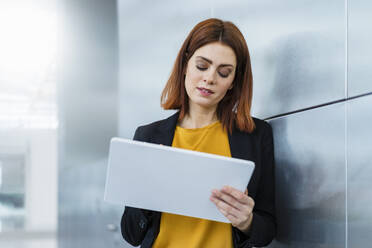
<point>211,86</point>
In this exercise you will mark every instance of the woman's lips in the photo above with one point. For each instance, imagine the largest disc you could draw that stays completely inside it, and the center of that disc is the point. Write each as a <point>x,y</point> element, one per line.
<point>205,92</point>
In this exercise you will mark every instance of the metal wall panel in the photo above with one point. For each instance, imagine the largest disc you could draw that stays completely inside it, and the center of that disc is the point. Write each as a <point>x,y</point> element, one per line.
<point>86,220</point>
<point>87,80</point>
<point>359,47</point>
<point>87,106</point>
<point>298,57</point>
<point>310,174</point>
<point>359,167</point>
<point>297,51</point>
<point>150,37</point>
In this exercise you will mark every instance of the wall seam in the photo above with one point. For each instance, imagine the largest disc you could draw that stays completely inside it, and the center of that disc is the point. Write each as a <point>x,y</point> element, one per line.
<point>346,126</point>
<point>346,178</point>
<point>318,106</point>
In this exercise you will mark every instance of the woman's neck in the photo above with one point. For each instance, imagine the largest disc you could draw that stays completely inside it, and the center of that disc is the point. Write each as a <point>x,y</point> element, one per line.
<point>199,117</point>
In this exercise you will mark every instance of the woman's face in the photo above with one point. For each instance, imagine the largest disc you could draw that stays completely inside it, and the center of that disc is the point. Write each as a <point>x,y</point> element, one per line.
<point>209,74</point>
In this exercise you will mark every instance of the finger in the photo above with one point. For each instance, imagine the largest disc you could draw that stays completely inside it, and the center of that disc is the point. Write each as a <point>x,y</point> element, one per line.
<point>246,191</point>
<point>236,217</point>
<point>235,221</point>
<point>245,208</point>
<point>227,198</point>
<point>237,194</point>
<point>227,209</point>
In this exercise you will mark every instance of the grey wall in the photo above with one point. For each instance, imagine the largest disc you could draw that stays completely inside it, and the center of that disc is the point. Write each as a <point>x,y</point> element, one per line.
<point>87,113</point>
<point>311,82</point>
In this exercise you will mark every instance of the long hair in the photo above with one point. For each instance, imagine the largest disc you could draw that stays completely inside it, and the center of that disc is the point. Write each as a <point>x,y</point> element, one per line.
<point>235,106</point>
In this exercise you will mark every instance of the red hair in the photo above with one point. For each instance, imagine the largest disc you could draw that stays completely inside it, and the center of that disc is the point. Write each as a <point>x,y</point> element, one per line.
<point>235,107</point>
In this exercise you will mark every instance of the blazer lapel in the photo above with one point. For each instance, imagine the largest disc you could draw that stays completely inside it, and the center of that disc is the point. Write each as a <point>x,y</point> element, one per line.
<point>240,144</point>
<point>164,134</point>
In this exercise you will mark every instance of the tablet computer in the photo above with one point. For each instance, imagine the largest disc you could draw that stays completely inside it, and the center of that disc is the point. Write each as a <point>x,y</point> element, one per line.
<point>169,179</point>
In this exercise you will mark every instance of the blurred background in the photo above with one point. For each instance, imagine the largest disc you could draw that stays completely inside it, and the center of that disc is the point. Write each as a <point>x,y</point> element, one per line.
<point>74,73</point>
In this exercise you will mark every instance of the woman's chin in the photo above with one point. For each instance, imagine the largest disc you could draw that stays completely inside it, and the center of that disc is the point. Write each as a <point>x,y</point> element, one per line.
<point>205,104</point>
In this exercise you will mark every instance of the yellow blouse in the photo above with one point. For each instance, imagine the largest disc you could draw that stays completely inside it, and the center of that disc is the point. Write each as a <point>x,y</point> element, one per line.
<point>181,231</point>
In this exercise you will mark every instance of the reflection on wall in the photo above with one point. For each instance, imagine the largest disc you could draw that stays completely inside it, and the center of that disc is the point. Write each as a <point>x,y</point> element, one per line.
<point>297,51</point>
<point>359,160</point>
<point>310,177</point>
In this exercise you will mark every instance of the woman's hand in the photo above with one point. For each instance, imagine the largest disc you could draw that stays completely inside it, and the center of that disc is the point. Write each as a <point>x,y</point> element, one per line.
<point>235,206</point>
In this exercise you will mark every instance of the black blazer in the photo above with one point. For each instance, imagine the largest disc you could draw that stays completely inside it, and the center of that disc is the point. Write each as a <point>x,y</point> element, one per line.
<point>139,226</point>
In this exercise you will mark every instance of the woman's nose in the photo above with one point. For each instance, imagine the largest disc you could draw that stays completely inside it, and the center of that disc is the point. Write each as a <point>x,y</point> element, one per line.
<point>209,77</point>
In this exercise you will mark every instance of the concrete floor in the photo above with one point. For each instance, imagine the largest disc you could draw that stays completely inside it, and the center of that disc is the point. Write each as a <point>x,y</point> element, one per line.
<point>28,240</point>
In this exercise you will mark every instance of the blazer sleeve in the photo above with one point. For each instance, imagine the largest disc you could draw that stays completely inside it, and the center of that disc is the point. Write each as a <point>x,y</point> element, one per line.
<point>263,227</point>
<point>135,221</point>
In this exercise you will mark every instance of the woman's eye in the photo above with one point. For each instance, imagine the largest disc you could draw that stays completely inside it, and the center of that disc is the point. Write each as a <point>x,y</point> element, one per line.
<point>224,75</point>
<point>201,68</point>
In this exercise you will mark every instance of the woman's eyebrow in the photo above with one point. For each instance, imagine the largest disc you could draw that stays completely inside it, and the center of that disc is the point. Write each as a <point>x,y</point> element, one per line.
<point>210,61</point>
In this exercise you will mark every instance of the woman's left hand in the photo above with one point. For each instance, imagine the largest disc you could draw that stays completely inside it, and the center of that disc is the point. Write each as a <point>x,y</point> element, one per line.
<point>235,206</point>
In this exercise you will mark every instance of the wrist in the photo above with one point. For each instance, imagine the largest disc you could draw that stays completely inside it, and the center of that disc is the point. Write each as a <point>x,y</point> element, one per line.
<point>247,226</point>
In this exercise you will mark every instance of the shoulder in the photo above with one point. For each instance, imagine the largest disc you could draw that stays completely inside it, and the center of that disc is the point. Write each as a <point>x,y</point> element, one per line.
<point>144,132</point>
<point>261,134</point>
<point>147,130</point>
<point>163,123</point>
<point>263,130</point>
<point>261,125</point>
